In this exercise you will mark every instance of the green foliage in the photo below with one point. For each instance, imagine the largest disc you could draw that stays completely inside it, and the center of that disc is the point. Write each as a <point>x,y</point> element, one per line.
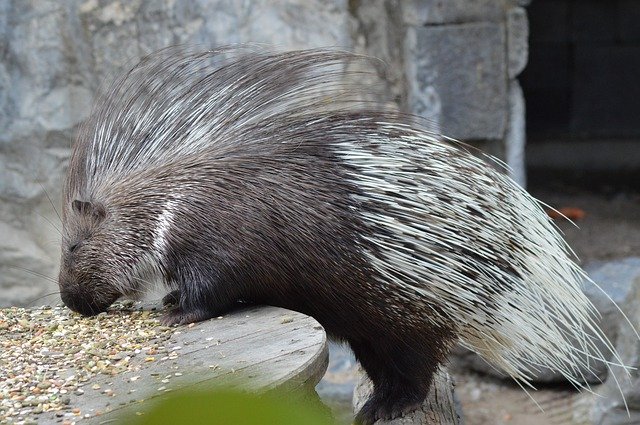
<point>226,407</point>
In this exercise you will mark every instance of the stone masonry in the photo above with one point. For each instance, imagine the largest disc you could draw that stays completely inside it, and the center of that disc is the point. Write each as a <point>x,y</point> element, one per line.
<point>453,62</point>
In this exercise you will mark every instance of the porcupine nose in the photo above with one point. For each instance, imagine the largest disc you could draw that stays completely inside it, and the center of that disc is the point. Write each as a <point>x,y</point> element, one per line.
<point>84,304</point>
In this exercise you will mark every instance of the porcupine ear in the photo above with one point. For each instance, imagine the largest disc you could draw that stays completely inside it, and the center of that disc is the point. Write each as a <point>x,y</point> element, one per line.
<point>87,208</point>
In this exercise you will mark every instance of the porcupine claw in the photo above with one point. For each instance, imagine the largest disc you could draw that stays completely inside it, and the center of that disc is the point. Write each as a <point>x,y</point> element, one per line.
<point>178,316</point>
<point>377,408</point>
<point>172,298</point>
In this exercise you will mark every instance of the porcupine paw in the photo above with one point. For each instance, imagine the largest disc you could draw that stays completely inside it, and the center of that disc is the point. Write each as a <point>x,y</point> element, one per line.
<point>172,298</point>
<point>178,316</point>
<point>379,408</point>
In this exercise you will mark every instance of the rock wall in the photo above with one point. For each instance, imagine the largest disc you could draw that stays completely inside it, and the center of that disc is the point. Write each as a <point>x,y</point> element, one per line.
<point>454,62</point>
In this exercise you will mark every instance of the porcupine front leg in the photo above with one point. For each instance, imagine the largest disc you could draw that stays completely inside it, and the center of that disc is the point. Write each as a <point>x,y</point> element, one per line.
<point>181,315</point>
<point>198,298</point>
<point>178,316</point>
<point>172,298</point>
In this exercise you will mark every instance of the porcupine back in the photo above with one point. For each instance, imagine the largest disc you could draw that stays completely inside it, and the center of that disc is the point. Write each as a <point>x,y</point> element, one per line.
<point>443,231</point>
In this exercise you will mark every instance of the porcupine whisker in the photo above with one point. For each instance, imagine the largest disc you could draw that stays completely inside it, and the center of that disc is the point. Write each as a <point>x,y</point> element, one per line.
<point>50,202</point>
<point>149,285</point>
<point>32,272</point>
<point>33,301</point>
<point>49,242</point>
<point>56,228</point>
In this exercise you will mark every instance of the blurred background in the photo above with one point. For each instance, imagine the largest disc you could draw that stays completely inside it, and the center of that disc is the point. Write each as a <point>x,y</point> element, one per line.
<point>549,86</point>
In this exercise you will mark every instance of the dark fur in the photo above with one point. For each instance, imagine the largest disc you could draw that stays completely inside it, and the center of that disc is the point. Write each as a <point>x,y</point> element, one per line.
<point>281,235</point>
<point>269,223</point>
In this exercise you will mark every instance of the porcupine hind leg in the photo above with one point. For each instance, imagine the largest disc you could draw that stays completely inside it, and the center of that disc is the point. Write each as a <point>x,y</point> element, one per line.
<point>401,378</point>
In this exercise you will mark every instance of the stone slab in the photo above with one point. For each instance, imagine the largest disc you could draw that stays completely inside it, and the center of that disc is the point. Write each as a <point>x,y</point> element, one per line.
<point>515,138</point>
<point>620,404</point>
<point>457,76</point>
<point>517,40</point>
<point>435,12</point>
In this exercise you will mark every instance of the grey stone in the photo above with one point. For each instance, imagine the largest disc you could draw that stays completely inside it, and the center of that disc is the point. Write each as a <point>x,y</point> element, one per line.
<point>624,391</point>
<point>457,77</point>
<point>515,139</point>
<point>379,33</point>
<point>24,263</point>
<point>55,56</point>
<point>615,279</point>
<point>435,12</point>
<point>517,40</point>
<point>340,379</point>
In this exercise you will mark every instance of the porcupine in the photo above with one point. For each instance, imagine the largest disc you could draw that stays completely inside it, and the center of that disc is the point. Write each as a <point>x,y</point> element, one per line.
<point>240,175</point>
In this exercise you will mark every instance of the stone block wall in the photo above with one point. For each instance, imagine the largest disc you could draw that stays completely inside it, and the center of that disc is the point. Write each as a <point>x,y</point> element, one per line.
<point>466,57</point>
<point>455,62</point>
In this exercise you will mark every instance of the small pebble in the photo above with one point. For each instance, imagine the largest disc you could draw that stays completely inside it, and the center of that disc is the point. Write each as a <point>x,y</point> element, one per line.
<point>286,319</point>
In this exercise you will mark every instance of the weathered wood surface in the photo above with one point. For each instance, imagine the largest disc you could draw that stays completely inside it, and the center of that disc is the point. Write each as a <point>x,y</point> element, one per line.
<point>440,407</point>
<point>259,348</point>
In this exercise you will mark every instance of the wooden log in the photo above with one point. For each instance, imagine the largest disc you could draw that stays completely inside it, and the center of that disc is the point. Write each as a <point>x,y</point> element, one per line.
<point>440,407</point>
<point>257,349</point>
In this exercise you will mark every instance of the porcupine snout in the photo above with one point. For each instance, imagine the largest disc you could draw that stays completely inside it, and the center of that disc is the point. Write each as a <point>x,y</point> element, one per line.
<point>82,297</point>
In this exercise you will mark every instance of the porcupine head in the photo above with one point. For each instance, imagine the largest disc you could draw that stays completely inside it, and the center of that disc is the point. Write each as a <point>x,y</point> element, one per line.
<point>246,176</point>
